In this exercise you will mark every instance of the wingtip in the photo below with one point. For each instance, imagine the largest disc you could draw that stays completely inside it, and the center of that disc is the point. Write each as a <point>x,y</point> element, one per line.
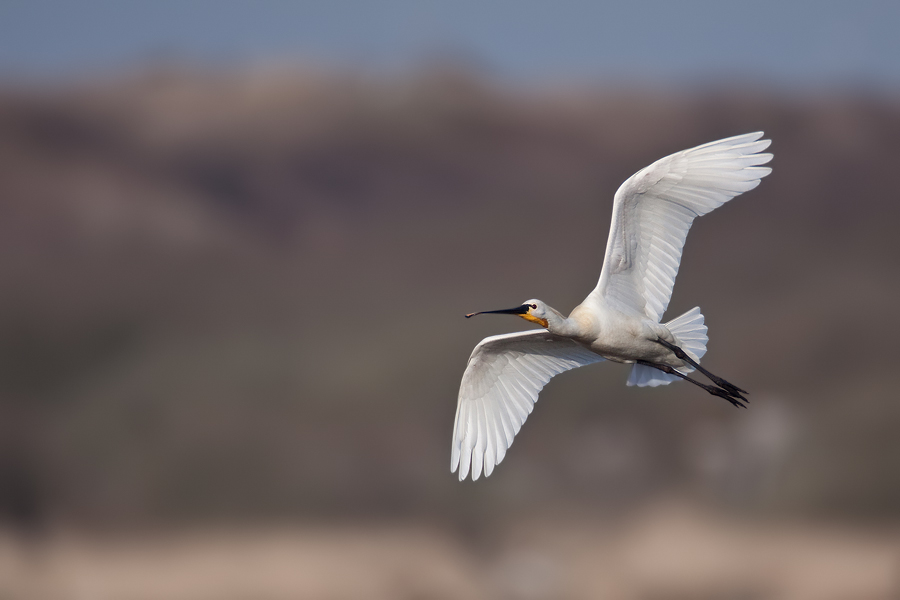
<point>753,137</point>
<point>457,468</point>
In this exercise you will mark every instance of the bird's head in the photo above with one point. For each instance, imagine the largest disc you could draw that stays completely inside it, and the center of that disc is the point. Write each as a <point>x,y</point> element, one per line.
<point>532,310</point>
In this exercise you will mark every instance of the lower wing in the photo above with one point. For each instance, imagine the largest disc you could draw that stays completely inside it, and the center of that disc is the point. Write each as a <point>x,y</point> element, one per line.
<point>498,391</point>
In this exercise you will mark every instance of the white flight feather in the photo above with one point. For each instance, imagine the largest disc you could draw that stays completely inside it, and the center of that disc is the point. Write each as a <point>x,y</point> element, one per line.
<point>498,391</point>
<point>654,209</point>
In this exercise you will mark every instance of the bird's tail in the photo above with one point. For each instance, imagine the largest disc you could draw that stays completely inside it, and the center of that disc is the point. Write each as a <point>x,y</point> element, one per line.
<point>690,335</point>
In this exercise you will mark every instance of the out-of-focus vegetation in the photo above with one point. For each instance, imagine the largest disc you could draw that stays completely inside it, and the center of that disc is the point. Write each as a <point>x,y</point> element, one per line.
<point>239,297</point>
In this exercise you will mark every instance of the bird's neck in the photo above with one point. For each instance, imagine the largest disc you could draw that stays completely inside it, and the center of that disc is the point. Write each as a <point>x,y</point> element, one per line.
<point>560,325</point>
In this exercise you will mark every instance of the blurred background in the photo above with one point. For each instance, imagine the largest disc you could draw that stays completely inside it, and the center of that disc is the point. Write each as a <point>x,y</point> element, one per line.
<point>238,240</point>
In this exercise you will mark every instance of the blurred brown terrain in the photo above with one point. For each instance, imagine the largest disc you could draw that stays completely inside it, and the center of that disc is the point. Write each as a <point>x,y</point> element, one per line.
<point>232,304</point>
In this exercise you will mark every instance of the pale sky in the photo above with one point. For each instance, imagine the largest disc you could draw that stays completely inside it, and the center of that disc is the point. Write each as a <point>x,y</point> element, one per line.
<point>781,43</point>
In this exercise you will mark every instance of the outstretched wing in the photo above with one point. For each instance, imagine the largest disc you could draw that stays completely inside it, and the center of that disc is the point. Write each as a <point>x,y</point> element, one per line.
<point>654,209</point>
<point>498,390</point>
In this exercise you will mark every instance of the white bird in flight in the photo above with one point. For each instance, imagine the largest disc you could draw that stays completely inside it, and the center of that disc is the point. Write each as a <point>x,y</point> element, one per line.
<point>620,319</point>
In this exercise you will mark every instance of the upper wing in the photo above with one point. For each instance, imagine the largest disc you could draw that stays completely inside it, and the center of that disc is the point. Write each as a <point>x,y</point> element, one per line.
<point>498,390</point>
<point>653,211</point>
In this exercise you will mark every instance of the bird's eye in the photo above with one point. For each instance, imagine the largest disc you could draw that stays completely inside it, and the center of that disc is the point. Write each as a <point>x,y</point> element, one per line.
<point>533,305</point>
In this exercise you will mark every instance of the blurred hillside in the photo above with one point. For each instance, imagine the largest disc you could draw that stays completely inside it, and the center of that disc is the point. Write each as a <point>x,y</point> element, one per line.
<point>240,296</point>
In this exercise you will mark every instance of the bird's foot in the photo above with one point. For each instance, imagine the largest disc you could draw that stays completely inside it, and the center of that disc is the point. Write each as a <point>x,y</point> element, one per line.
<point>726,385</point>
<point>717,391</point>
<point>735,399</point>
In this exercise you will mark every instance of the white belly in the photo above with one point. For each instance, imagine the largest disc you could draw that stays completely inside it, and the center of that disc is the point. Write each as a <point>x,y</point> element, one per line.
<point>626,339</point>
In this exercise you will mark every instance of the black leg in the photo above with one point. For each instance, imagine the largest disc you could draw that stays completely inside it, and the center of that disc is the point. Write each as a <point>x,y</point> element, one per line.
<point>722,383</point>
<point>735,399</point>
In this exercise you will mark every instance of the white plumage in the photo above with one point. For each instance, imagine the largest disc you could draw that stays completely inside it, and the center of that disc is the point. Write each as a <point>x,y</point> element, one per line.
<point>620,319</point>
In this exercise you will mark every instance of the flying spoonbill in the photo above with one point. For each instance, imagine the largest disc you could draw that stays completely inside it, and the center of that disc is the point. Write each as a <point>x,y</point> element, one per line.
<point>620,319</point>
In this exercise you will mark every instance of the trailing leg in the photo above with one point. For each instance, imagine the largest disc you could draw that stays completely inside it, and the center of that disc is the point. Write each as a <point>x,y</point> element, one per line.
<point>722,383</point>
<point>735,399</point>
